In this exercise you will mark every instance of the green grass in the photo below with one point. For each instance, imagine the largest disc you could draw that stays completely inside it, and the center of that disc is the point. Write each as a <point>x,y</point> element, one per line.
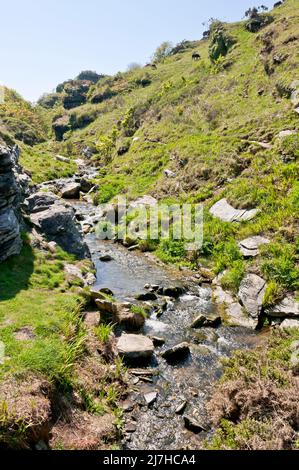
<point>103,332</point>
<point>31,299</point>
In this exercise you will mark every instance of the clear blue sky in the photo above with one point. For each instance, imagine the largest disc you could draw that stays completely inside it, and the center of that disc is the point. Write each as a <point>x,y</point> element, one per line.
<point>44,42</point>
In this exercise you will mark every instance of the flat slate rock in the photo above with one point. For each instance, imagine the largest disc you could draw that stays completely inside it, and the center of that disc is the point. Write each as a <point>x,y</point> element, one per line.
<point>251,294</point>
<point>250,246</point>
<point>224,211</point>
<point>133,347</point>
<point>288,307</point>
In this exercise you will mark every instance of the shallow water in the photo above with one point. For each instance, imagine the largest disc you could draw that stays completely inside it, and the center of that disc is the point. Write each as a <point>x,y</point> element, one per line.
<point>191,380</point>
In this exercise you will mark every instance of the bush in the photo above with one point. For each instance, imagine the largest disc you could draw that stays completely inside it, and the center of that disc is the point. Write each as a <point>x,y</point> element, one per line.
<point>220,43</point>
<point>90,76</point>
<point>163,51</point>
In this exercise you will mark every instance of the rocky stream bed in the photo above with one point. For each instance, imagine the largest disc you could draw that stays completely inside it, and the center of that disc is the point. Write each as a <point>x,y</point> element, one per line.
<point>165,407</point>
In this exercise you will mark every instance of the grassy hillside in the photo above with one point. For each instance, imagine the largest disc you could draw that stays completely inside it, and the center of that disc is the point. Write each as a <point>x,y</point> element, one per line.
<point>215,124</point>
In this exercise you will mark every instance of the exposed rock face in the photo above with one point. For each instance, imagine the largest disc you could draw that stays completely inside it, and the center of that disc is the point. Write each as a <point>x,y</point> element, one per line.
<point>13,186</point>
<point>224,211</point>
<point>57,221</point>
<point>251,294</point>
<point>288,307</point>
<point>71,191</point>
<point>250,246</point>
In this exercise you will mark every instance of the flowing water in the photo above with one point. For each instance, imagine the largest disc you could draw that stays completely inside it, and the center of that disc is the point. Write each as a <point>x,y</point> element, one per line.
<point>160,425</point>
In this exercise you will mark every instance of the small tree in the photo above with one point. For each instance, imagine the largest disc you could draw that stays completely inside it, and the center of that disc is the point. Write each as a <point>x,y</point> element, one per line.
<point>89,75</point>
<point>163,51</point>
<point>256,20</point>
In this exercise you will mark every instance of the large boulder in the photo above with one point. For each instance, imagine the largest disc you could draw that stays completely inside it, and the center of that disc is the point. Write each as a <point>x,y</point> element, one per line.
<point>57,222</point>
<point>288,307</point>
<point>224,211</point>
<point>135,347</point>
<point>251,294</point>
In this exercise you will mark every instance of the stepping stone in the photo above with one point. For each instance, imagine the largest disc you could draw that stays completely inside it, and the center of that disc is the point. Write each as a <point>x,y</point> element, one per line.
<point>133,347</point>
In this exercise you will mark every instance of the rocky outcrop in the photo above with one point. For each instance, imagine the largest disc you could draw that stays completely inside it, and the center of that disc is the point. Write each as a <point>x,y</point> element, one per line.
<point>224,211</point>
<point>13,187</point>
<point>57,222</point>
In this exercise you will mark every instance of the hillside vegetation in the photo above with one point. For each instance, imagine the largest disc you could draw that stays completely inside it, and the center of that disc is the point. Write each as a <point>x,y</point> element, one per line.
<point>215,123</point>
<point>206,120</point>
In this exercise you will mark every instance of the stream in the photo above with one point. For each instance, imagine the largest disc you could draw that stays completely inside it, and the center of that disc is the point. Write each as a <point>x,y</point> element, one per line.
<point>180,389</point>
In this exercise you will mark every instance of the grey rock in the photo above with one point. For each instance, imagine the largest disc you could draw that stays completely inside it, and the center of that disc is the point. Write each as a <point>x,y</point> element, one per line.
<point>177,352</point>
<point>106,306</point>
<point>71,191</point>
<point>60,158</point>
<point>150,398</point>
<point>169,174</point>
<point>171,291</point>
<point>287,323</point>
<point>286,133</point>
<point>147,296</point>
<point>288,307</point>
<point>224,211</point>
<point>209,322</point>
<point>106,258</point>
<point>133,347</point>
<point>250,246</point>
<point>158,341</point>
<point>194,425</point>
<point>251,294</point>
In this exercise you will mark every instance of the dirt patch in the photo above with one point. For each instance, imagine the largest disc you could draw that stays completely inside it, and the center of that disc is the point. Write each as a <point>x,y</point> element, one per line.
<point>84,432</point>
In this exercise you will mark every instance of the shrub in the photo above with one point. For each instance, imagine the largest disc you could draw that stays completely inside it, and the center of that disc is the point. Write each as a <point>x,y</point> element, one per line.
<point>163,51</point>
<point>280,264</point>
<point>274,293</point>
<point>256,20</point>
<point>90,76</point>
<point>233,277</point>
